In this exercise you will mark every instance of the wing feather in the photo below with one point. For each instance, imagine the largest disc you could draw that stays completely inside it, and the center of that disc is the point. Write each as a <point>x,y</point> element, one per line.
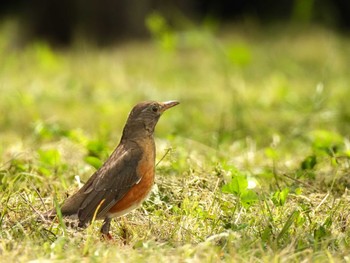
<point>112,181</point>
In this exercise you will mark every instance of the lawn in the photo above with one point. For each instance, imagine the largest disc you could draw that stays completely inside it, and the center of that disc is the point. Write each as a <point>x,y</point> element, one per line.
<point>253,165</point>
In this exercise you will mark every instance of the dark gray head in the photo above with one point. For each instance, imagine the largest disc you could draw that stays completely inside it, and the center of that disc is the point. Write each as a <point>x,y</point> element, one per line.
<point>144,116</point>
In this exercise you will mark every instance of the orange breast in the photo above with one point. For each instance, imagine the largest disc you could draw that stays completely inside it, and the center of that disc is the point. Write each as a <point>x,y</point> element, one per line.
<point>139,192</point>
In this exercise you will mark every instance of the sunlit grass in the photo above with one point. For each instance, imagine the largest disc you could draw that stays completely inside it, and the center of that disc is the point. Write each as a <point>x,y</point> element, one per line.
<point>256,155</point>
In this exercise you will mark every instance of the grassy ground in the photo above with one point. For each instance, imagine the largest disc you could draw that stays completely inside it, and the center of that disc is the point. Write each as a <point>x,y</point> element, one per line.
<point>256,156</point>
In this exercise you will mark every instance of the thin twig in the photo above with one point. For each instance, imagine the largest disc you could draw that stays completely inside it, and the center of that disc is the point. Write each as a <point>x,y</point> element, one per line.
<point>323,200</point>
<point>32,207</point>
<point>213,194</point>
<point>40,197</point>
<point>166,153</point>
<point>300,182</point>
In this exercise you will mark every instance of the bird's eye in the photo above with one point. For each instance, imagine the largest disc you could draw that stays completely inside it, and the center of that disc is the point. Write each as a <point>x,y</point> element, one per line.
<point>154,108</point>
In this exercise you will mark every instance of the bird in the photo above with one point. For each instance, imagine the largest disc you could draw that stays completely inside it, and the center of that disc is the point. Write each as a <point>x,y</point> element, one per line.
<point>126,178</point>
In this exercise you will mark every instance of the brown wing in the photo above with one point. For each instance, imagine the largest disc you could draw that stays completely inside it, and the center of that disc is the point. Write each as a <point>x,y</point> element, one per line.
<point>111,182</point>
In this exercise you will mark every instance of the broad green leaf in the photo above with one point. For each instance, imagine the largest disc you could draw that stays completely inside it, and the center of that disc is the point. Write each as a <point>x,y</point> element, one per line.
<point>248,198</point>
<point>326,141</point>
<point>280,197</point>
<point>308,163</point>
<point>236,186</point>
<point>96,148</point>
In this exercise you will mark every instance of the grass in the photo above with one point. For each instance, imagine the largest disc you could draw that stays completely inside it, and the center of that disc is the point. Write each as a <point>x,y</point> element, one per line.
<point>256,156</point>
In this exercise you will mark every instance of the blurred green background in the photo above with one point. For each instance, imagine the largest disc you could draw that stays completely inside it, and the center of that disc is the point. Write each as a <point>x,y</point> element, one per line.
<point>241,71</point>
<point>243,80</point>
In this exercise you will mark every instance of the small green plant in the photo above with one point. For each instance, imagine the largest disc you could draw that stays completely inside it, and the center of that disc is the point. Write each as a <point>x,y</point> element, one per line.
<point>50,161</point>
<point>326,142</point>
<point>97,153</point>
<point>238,186</point>
<point>279,198</point>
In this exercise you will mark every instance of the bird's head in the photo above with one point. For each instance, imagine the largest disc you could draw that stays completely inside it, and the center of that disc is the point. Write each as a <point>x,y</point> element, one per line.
<point>144,117</point>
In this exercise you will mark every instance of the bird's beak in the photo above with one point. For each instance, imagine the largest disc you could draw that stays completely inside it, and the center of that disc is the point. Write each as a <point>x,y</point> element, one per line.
<point>168,104</point>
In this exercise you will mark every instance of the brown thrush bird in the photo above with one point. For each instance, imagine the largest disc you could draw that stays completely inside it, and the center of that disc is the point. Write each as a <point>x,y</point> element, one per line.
<point>125,180</point>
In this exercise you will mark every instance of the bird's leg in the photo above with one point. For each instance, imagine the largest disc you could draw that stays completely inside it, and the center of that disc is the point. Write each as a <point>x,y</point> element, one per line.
<point>105,228</point>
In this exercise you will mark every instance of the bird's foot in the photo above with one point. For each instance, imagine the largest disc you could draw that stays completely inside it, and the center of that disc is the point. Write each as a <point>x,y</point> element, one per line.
<point>107,236</point>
